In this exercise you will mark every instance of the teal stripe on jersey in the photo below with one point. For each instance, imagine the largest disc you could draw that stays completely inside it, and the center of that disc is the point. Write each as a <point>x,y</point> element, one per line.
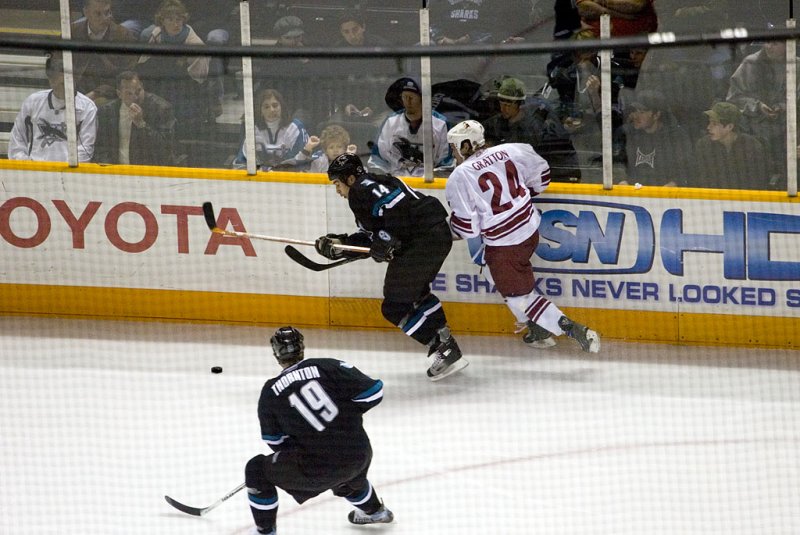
<point>377,387</point>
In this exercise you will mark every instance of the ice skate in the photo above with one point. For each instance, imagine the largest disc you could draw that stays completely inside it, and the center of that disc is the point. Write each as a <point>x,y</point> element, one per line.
<point>381,516</point>
<point>587,338</point>
<point>446,355</point>
<point>538,337</point>
<point>255,530</point>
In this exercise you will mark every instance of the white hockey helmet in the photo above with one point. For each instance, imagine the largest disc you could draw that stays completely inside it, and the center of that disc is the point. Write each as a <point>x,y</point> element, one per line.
<point>471,131</point>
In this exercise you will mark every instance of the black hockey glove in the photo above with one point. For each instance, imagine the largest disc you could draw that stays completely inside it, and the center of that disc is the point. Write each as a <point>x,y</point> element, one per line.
<point>383,247</point>
<point>325,245</point>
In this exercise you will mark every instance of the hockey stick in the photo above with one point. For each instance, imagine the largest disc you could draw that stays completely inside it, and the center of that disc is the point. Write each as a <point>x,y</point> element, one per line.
<point>195,511</point>
<point>211,221</point>
<point>306,262</point>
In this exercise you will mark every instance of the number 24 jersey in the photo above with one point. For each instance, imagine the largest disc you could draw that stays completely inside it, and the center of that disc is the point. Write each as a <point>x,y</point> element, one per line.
<point>490,194</point>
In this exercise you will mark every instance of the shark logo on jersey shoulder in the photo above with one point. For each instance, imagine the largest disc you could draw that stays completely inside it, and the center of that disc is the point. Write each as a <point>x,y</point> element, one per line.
<point>344,364</point>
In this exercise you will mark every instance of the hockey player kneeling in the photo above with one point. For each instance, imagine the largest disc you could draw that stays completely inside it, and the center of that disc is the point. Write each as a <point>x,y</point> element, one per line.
<point>409,231</point>
<point>311,417</point>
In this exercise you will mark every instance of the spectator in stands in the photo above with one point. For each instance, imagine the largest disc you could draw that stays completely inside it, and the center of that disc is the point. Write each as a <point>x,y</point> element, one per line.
<point>576,78</point>
<point>628,17</point>
<point>758,88</point>
<point>536,124</point>
<point>727,158</point>
<point>136,16</point>
<point>657,149</point>
<point>567,19</point>
<point>215,21</point>
<point>95,73</point>
<point>40,129</point>
<point>625,67</point>
<point>281,142</point>
<point>333,141</point>
<point>399,148</point>
<point>356,97</point>
<point>567,23</point>
<point>455,22</point>
<point>688,16</point>
<point>353,30</point>
<point>289,32</point>
<point>180,80</point>
<point>690,78</point>
<point>137,128</point>
<point>297,79</point>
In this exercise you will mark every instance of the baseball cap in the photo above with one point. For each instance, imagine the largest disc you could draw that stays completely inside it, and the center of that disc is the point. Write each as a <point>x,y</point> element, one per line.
<point>648,101</point>
<point>289,26</point>
<point>409,84</point>
<point>724,113</point>
<point>511,89</point>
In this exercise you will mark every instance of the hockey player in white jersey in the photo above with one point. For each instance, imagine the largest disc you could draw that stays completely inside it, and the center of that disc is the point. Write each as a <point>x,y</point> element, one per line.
<point>40,129</point>
<point>490,194</point>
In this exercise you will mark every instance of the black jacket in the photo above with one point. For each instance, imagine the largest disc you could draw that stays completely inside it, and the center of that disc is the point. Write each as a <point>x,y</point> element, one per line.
<point>151,145</point>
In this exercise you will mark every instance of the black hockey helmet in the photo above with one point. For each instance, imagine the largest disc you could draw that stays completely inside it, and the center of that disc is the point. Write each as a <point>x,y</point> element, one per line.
<point>287,344</point>
<point>345,165</point>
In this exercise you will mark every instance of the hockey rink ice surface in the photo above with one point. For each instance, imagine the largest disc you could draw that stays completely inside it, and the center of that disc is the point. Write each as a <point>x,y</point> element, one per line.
<point>101,419</point>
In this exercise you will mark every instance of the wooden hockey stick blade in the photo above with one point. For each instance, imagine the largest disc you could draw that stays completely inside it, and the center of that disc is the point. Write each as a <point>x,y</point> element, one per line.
<point>196,511</point>
<point>307,263</point>
<point>211,221</point>
<point>208,213</point>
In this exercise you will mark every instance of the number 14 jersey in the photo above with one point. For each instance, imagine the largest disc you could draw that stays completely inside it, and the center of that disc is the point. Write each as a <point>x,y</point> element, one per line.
<point>490,193</point>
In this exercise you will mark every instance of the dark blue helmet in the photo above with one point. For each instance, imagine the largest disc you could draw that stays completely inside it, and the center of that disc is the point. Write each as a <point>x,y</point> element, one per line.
<point>345,165</point>
<point>287,344</point>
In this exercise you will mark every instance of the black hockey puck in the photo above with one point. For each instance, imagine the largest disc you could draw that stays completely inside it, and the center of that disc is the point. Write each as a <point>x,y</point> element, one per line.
<point>216,369</point>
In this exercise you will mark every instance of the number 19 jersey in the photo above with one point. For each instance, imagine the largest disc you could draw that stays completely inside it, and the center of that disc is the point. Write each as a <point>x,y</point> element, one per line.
<point>317,405</point>
<point>489,194</point>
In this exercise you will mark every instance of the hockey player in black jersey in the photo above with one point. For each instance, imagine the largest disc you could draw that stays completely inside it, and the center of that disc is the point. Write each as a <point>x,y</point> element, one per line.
<point>409,231</point>
<point>311,417</point>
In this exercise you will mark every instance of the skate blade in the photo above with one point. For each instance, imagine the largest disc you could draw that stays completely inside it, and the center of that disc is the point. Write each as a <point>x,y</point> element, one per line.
<point>458,365</point>
<point>541,344</point>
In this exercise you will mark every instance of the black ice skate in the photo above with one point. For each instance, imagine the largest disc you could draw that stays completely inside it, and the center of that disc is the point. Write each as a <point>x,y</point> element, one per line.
<point>587,338</point>
<point>446,355</point>
<point>538,337</point>
<point>381,516</point>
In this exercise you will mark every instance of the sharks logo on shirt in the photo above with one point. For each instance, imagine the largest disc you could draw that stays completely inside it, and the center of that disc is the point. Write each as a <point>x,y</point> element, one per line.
<point>51,133</point>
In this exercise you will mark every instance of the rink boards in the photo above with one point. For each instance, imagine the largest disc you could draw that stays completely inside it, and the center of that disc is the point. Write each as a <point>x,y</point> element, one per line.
<point>658,264</point>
